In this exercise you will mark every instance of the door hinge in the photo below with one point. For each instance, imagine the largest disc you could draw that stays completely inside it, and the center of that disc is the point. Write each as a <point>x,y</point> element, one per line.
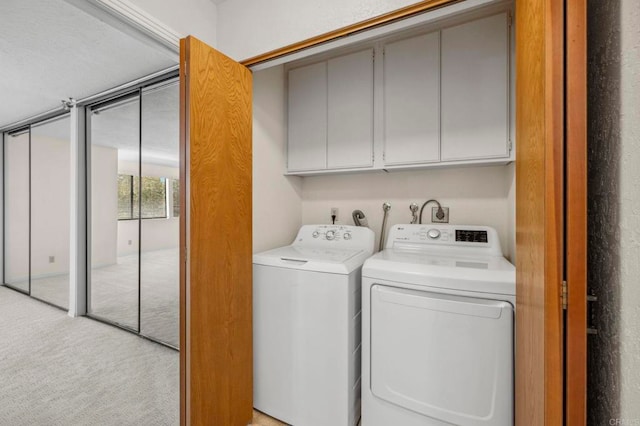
<point>565,295</point>
<point>510,146</point>
<point>509,20</point>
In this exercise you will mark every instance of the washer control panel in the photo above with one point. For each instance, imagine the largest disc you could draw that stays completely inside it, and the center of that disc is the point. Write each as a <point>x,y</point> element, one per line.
<point>344,236</point>
<point>445,237</point>
<point>332,232</point>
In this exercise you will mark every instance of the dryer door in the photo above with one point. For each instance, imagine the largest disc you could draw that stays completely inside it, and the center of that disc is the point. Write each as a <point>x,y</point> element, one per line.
<point>446,357</point>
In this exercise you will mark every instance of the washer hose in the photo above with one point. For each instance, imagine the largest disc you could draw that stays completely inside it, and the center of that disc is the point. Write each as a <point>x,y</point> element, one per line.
<point>385,207</point>
<point>359,218</point>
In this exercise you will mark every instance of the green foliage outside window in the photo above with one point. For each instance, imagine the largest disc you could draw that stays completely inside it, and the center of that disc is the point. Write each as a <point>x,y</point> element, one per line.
<point>154,197</point>
<point>175,192</point>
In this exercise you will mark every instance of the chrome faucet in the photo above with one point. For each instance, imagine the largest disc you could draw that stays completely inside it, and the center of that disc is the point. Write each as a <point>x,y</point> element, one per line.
<point>413,207</point>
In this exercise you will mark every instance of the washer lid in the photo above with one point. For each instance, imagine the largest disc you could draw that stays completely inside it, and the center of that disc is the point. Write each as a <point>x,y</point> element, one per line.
<point>481,274</point>
<point>341,261</point>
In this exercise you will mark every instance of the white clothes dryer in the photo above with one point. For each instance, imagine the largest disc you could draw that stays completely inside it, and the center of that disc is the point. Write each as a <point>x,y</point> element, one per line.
<point>438,327</point>
<point>307,324</point>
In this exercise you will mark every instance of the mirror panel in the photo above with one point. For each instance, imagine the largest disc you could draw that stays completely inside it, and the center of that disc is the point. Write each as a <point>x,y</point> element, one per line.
<point>160,236</point>
<point>114,206</point>
<point>16,210</point>
<point>50,211</point>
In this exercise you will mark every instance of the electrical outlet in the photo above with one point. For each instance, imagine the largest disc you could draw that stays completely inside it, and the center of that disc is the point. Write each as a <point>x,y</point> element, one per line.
<point>334,212</point>
<point>434,217</point>
<point>52,259</point>
<point>129,242</point>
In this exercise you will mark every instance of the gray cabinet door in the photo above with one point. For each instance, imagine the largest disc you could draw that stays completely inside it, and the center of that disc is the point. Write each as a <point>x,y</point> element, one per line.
<point>350,111</point>
<point>307,143</point>
<point>412,100</point>
<point>475,89</point>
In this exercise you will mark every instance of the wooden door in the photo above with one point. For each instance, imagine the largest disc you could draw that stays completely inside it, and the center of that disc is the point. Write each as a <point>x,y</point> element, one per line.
<point>551,212</point>
<point>539,211</point>
<point>216,356</point>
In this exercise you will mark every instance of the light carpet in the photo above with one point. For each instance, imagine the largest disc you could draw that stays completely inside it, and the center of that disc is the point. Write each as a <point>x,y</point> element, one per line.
<point>57,370</point>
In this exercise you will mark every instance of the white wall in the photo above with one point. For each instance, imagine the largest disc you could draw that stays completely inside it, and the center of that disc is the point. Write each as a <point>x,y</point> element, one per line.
<point>186,17</point>
<point>249,27</point>
<point>49,209</point>
<point>50,203</point>
<point>16,208</point>
<point>630,212</point>
<point>157,234</point>
<point>277,209</point>
<point>614,210</point>
<point>474,195</point>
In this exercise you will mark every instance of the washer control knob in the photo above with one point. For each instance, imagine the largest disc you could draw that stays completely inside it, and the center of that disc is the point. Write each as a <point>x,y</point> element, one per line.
<point>434,234</point>
<point>330,235</point>
<point>315,234</point>
<point>347,236</point>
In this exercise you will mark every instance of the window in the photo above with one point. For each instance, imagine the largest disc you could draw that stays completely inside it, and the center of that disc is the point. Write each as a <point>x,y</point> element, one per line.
<point>125,197</point>
<point>153,200</point>
<point>175,192</point>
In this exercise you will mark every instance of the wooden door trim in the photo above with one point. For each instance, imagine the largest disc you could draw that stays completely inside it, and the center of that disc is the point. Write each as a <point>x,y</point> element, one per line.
<point>387,18</point>
<point>554,211</point>
<point>576,212</point>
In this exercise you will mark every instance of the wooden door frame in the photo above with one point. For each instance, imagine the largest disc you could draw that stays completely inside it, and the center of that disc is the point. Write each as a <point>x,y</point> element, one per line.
<point>576,213</point>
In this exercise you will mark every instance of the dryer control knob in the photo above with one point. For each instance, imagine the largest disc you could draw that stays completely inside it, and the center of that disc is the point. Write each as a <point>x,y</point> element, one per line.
<point>347,236</point>
<point>331,235</point>
<point>315,234</point>
<point>434,234</point>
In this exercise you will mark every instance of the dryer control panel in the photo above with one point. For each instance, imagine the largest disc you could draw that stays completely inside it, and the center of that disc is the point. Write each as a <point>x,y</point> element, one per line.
<point>342,236</point>
<point>464,238</point>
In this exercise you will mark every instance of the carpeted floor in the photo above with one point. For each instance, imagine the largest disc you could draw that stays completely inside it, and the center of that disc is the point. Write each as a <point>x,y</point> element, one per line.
<point>114,293</point>
<point>57,370</point>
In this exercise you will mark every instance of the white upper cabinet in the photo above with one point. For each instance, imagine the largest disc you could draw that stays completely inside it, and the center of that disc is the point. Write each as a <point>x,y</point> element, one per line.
<point>331,114</point>
<point>307,147</point>
<point>475,90</point>
<point>435,99</point>
<point>412,100</point>
<point>350,111</point>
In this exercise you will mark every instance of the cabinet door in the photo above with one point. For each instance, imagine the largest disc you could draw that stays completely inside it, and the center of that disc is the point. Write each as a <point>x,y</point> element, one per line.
<point>412,100</point>
<point>475,89</point>
<point>350,111</point>
<point>307,144</point>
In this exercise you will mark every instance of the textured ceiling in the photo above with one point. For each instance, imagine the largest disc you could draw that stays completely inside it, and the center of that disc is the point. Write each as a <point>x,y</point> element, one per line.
<point>50,50</point>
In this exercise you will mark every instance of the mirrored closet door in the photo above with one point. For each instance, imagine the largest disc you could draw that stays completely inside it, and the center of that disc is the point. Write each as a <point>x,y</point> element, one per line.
<point>37,192</point>
<point>133,172</point>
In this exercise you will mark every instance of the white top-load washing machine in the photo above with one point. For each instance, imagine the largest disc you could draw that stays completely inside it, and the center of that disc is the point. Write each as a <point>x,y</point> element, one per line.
<point>306,326</point>
<point>438,326</point>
